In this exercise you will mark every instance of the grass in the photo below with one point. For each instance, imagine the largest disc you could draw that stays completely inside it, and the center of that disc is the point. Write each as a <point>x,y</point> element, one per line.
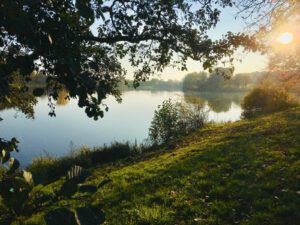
<point>47,168</point>
<point>247,172</point>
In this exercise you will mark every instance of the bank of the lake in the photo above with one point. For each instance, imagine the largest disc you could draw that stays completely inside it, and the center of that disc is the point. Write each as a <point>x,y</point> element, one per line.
<point>246,172</point>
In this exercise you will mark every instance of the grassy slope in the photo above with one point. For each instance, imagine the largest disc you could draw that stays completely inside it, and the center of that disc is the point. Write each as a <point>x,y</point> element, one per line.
<point>246,172</point>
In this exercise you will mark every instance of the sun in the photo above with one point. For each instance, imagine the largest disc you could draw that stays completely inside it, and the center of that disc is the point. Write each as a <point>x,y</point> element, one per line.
<point>285,38</point>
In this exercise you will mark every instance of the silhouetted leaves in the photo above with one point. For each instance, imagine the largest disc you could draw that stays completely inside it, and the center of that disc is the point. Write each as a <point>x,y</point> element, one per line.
<point>13,165</point>
<point>37,92</point>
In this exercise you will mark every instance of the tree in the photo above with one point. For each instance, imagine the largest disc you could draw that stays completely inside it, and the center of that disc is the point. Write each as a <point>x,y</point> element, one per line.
<point>194,81</point>
<point>217,79</point>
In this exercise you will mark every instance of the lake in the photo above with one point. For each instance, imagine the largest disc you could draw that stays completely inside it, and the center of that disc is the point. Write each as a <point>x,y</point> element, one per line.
<point>128,121</point>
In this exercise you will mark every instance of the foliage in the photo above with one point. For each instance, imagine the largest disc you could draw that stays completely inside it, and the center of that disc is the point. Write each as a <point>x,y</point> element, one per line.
<point>195,81</point>
<point>164,125</point>
<point>19,98</point>
<point>236,173</point>
<point>172,120</point>
<point>267,98</point>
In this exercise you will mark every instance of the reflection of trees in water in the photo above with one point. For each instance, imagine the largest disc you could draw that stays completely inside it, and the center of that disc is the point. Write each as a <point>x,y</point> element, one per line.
<point>238,98</point>
<point>194,100</point>
<point>18,97</point>
<point>20,101</point>
<point>62,98</point>
<point>23,100</point>
<point>217,102</point>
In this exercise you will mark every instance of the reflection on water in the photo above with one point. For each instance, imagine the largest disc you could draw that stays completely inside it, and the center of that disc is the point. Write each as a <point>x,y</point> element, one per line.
<point>218,102</point>
<point>129,120</point>
<point>222,106</point>
<point>62,98</point>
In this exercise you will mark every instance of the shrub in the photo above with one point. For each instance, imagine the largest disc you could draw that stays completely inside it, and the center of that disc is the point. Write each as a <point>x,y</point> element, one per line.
<point>267,99</point>
<point>174,119</point>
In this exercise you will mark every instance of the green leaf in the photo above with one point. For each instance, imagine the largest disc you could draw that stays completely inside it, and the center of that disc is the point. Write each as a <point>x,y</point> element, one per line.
<point>7,99</point>
<point>13,165</point>
<point>50,39</point>
<point>28,177</point>
<point>5,156</point>
<point>206,65</point>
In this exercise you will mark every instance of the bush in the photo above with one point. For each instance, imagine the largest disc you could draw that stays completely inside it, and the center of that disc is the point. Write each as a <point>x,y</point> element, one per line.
<point>172,120</point>
<point>267,99</point>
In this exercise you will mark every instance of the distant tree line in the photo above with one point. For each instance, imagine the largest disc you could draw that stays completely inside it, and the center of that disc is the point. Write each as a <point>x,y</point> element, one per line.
<point>220,81</point>
<point>153,84</point>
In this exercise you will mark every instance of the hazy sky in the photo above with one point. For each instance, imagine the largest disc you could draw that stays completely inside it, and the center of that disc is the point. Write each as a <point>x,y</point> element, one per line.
<point>251,62</point>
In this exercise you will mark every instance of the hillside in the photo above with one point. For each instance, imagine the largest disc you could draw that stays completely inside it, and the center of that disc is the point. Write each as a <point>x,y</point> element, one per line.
<point>246,172</point>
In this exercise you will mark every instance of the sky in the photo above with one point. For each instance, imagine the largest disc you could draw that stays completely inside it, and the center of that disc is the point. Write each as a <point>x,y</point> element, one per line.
<point>251,62</point>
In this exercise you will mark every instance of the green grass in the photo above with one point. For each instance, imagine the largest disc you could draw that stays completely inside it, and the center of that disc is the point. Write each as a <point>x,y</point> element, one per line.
<point>246,172</point>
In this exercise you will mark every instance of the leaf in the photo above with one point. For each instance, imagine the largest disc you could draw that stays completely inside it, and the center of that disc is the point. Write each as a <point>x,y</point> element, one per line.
<point>5,156</point>
<point>50,39</point>
<point>206,65</point>
<point>7,99</point>
<point>14,140</point>
<point>85,10</point>
<point>102,15</point>
<point>13,165</point>
<point>28,177</point>
<point>101,114</point>
<point>37,92</point>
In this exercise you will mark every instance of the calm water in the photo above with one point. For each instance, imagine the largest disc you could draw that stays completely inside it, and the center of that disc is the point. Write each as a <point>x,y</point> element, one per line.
<point>128,121</point>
